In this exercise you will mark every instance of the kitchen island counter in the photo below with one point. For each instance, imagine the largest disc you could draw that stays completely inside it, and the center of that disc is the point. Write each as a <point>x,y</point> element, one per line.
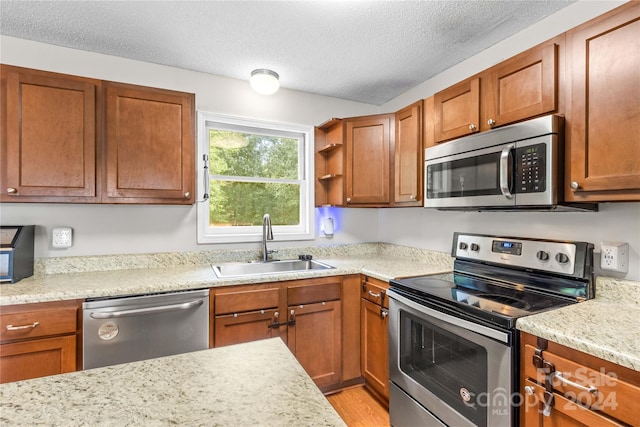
<point>258,383</point>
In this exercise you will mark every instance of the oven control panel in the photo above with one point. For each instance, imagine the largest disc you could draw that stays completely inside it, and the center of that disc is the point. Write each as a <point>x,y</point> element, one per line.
<point>545,255</point>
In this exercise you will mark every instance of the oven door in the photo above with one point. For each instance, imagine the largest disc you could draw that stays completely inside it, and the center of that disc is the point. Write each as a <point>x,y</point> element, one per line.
<point>459,372</point>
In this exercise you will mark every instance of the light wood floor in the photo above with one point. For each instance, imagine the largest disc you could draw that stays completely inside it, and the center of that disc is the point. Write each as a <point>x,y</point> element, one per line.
<point>358,408</point>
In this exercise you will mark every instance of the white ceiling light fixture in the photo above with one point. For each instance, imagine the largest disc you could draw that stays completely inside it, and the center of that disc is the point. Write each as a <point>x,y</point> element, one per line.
<point>265,82</point>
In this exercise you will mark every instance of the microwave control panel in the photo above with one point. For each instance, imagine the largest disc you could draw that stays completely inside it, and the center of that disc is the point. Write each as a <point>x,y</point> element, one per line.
<point>530,163</point>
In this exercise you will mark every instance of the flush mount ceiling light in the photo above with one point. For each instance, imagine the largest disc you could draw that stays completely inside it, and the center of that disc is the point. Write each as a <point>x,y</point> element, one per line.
<point>264,81</point>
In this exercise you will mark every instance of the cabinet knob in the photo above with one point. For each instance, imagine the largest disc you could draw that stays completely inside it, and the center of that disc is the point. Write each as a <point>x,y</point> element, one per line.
<point>348,199</point>
<point>412,197</point>
<point>186,195</point>
<point>529,390</point>
<point>12,190</point>
<point>472,127</point>
<point>575,185</point>
<point>491,122</point>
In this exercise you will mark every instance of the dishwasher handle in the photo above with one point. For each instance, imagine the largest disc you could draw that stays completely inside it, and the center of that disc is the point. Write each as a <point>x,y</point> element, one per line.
<point>148,310</point>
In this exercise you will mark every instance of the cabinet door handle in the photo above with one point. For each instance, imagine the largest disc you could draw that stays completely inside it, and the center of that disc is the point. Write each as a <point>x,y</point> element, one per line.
<point>472,127</point>
<point>348,199</point>
<point>589,389</point>
<point>491,122</point>
<point>384,312</point>
<point>12,190</point>
<point>575,185</point>
<point>17,328</point>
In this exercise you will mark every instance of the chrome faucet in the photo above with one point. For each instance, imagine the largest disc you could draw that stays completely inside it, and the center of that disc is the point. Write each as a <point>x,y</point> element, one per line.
<point>267,234</point>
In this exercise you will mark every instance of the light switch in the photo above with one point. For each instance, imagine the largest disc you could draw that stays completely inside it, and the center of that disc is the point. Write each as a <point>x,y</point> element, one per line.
<point>62,237</point>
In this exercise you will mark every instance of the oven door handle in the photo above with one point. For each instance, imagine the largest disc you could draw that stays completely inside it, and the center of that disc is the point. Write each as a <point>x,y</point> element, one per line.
<point>452,320</point>
<point>504,171</point>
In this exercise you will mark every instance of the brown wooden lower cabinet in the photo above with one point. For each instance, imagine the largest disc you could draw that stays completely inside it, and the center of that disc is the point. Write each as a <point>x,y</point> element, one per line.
<point>315,340</point>
<point>38,340</point>
<point>37,358</point>
<point>305,314</point>
<point>375,343</point>
<point>374,321</point>
<point>564,387</point>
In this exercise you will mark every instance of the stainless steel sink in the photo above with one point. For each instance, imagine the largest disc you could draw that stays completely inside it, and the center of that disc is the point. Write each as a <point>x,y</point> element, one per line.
<point>239,269</point>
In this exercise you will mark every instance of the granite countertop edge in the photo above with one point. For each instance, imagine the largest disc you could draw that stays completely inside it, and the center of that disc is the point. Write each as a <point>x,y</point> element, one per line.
<point>607,327</point>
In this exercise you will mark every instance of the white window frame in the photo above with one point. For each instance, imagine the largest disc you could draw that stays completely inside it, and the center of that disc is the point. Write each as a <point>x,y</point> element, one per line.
<point>304,231</point>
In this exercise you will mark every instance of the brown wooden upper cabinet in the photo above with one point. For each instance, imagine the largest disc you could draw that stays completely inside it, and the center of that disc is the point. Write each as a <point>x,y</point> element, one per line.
<point>603,114</point>
<point>48,137</point>
<point>71,139</point>
<point>150,136</point>
<point>408,155</point>
<point>519,88</point>
<point>368,155</point>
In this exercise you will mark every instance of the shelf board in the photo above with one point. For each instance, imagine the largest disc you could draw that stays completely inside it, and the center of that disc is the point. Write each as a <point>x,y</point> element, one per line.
<point>329,147</point>
<point>329,176</point>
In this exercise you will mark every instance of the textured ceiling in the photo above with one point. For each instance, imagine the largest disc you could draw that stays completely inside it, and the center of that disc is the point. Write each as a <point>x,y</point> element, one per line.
<point>367,51</point>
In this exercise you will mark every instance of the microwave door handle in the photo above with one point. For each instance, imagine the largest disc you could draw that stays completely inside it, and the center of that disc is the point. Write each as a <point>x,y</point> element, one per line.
<point>504,171</point>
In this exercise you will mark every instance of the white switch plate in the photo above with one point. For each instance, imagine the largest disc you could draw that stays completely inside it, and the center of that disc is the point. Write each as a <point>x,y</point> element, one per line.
<point>62,237</point>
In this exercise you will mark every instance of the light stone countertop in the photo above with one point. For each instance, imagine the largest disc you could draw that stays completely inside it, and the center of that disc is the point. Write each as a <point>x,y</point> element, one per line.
<point>607,326</point>
<point>254,384</point>
<point>164,276</point>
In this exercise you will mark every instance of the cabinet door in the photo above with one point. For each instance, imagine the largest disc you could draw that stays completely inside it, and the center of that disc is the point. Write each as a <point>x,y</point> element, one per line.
<point>457,110</point>
<point>521,87</point>
<point>245,327</point>
<point>49,137</point>
<point>408,156</point>
<point>375,348</point>
<point>316,340</point>
<point>37,358</point>
<point>368,149</point>
<point>604,108</point>
<point>150,143</point>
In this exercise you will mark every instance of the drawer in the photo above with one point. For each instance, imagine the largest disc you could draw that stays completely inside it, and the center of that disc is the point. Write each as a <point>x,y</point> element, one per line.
<point>38,320</point>
<point>250,300</point>
<point>610,395</point>
<point>327,290</point>
<point>375,291</point>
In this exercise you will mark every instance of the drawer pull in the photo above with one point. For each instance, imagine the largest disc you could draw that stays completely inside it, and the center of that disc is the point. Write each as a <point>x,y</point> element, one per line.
<point>590,389</point>
<point>17,328</point>
<point>374,295</point>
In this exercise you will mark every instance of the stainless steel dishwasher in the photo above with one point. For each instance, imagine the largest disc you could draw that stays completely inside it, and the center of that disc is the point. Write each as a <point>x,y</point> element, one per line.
<point>127,329</point>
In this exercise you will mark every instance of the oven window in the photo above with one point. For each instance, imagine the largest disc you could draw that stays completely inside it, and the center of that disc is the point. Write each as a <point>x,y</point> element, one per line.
<point>473,176</point>
<point>451,367</point>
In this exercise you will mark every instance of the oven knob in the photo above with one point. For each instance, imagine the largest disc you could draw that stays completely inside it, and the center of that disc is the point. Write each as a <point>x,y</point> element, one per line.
<point>562,258</point>
<point>475,247</point>
<point>463,246</point>
<point>542,255</point>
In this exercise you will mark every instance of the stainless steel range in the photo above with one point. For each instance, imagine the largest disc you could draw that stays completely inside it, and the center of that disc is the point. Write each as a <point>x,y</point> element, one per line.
<point>453,343</point>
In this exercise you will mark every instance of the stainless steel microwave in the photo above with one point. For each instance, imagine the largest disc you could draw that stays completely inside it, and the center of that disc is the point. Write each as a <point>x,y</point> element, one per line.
<point>516,167</point>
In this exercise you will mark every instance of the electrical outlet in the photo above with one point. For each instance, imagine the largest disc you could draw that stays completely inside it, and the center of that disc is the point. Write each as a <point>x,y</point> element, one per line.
<point>614,256</point>
<point>62,237</point>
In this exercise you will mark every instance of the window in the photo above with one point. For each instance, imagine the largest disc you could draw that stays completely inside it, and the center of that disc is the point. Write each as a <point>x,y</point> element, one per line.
<point>254,167</point>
